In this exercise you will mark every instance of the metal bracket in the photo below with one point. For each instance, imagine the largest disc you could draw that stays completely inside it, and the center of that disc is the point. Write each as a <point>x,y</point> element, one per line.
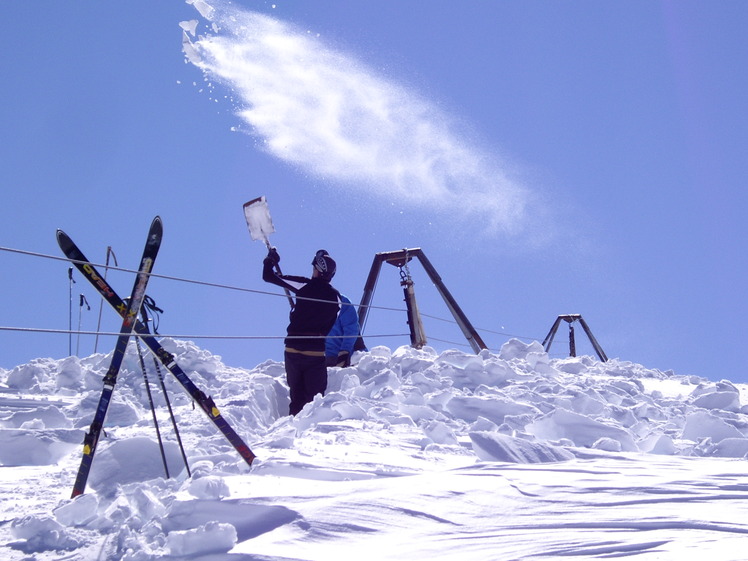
<point>571,319</point>
<point>400,259</point>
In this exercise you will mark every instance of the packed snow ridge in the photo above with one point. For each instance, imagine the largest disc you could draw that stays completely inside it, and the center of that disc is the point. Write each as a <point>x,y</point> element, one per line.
<point>400,413</point>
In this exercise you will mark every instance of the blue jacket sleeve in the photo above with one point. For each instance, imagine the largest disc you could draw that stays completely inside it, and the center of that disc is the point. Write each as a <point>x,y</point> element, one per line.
<point>342,336</point>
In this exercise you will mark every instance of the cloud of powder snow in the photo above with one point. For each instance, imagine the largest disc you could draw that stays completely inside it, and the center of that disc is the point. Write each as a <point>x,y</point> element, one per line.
<point>325,112</point>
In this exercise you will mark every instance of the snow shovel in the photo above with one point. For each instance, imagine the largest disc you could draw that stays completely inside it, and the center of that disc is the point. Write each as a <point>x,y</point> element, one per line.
<point>260,226</point>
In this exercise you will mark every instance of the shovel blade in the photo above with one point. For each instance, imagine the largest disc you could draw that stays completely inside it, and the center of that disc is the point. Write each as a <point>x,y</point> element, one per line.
<point>259,222</point>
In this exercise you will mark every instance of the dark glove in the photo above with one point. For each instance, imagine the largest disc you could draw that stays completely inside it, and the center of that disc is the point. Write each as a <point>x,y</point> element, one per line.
<point>272,257</point>
<point>344,359</point>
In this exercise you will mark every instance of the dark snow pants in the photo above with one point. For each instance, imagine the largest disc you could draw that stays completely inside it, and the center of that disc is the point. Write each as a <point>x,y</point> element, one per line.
<point>306,376</point>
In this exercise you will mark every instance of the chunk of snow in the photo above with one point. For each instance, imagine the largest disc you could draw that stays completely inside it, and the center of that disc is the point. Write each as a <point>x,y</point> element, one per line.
<point>496,447</point>
<point>580,429</point>
<point>704,424</point>
<point>213,537</point>
<point>189,26</point>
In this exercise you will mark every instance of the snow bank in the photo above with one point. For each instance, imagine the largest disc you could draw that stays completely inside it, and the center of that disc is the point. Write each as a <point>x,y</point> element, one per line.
<point>408,406</point>
<point>519,392</point>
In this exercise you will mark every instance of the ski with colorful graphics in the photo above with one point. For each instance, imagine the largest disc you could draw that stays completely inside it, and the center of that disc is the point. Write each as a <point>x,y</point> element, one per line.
<point>129,313</point>
<point>204,401</point>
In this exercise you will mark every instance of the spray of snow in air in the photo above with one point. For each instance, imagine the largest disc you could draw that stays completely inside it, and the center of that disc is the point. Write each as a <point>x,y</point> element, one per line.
<point>327,113</point>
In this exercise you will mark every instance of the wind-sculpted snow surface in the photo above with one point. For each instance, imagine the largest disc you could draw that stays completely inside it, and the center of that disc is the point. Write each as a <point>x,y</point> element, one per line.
<point>418,453</point>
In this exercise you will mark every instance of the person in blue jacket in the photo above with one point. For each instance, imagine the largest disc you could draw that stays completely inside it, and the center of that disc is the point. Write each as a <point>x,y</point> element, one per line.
<point>341,341</point>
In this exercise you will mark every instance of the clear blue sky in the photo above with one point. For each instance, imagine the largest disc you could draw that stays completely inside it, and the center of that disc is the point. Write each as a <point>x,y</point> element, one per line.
<point>549,158</point>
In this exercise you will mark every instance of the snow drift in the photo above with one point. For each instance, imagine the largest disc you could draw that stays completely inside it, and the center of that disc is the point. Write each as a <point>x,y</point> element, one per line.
<point>410,420</point>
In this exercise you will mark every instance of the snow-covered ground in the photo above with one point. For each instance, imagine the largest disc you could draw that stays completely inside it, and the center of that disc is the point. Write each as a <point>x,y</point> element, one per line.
<point>410,455</point>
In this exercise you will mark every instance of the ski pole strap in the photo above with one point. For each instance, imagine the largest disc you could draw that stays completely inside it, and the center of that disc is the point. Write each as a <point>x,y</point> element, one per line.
<point>150,305</point>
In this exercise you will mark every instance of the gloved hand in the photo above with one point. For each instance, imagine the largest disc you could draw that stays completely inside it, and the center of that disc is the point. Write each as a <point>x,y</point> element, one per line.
<point>344,359</point>
<point>272,257</point>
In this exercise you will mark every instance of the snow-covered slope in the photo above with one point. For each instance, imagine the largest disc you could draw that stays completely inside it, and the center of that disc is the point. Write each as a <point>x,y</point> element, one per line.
<point>411,454</point>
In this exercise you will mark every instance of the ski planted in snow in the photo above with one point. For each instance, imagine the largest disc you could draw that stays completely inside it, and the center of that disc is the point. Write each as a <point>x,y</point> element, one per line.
<point>205,402</point>
<point>129,313</point>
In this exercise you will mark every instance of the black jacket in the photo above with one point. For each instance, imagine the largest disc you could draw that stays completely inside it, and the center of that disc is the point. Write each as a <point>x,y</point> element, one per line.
<point>315,311</point>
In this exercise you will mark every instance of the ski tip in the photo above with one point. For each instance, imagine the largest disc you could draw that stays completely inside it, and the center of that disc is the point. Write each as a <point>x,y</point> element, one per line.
<point>62,238</point>
<point>157,225</point>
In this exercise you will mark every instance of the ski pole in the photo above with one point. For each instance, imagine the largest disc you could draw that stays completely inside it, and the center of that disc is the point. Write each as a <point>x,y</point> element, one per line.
<point>171,415</point>
<point>153,408</point>
<point>80,315</point>
<point>70,313</point>
<point>150,304</point>
<point>101,302</point>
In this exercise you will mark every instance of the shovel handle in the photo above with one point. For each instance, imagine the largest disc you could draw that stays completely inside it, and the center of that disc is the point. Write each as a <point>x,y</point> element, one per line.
<point>278,270</point>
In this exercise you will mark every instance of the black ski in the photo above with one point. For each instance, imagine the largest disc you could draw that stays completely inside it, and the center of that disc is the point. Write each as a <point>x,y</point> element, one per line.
<point>205,402</point>
<point>129,313</point>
